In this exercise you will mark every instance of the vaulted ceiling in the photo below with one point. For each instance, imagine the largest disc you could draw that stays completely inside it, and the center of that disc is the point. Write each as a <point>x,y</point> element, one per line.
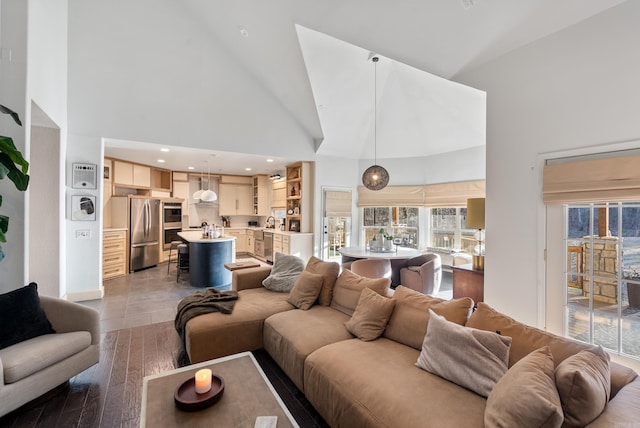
<point>313,57</point>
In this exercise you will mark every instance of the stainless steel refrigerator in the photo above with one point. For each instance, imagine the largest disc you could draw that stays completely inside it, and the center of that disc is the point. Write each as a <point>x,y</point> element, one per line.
<point>144,233</point>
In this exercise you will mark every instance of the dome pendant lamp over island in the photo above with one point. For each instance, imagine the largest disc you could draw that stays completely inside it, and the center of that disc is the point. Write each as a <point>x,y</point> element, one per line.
<point>375,177</point>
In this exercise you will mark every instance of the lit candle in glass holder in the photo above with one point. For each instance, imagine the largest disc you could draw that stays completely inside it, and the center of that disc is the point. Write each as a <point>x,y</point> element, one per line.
<point>203,381</point>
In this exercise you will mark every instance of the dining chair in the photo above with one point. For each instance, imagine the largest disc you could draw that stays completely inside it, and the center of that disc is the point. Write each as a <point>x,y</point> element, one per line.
<point>372,268</point>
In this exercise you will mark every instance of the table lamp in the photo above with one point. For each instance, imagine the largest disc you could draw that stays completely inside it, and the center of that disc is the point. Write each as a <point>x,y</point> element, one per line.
<point>475,220</point>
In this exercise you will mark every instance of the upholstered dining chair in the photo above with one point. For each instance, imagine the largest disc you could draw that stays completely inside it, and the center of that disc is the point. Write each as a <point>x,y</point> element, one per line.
<point>372,268</point>
<point>423,273</point>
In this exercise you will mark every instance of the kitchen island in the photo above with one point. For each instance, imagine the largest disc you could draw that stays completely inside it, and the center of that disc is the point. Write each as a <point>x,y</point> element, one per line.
<point>207,257</point>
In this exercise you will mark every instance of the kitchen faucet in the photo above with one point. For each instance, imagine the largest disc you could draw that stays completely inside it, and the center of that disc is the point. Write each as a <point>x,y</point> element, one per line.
<point>271,222</point>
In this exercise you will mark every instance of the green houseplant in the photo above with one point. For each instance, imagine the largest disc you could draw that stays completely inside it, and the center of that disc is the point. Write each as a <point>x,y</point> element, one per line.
<point>13,166</point>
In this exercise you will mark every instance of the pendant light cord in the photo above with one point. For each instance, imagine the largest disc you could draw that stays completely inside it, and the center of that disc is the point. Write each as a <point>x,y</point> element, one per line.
<point>375,110</point>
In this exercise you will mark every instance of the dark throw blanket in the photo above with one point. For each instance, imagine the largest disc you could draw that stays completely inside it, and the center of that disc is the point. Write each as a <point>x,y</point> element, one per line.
<point>203,302</point>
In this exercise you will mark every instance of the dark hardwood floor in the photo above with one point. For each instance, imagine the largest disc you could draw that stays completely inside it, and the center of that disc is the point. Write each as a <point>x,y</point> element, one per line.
<point>109,394</point>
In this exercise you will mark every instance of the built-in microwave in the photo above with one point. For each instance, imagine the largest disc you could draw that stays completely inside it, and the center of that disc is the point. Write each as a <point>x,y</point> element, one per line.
<point>172,214</point>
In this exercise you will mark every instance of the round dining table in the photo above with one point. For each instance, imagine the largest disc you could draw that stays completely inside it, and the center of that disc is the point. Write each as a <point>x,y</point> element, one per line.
<point>398,257</point>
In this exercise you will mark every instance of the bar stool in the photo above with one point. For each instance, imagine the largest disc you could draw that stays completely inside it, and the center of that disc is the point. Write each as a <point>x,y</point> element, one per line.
<point>183,260</point>
<point>174,246</point>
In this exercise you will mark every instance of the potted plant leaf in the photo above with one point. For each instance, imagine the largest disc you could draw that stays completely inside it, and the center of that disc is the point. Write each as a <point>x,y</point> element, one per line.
<point>13,166</point>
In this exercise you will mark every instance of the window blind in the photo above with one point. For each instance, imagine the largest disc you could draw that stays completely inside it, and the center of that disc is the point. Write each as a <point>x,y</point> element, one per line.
<point>614,179</point>
<point>453,194</point>
<point>337,204</point>
<point>403,196</point>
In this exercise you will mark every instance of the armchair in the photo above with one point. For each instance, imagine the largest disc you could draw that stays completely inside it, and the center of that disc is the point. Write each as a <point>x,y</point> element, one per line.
<point>30,368</point>
<point>423,273</point>
<point>372,268</point>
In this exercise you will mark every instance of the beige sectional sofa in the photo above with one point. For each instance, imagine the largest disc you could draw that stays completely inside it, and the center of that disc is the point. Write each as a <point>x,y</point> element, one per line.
<point>356,379</point>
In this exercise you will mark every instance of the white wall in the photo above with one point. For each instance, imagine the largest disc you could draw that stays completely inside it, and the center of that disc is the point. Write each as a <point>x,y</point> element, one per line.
<point>460,165</point>
<point>576,88</point>
<point>47,87</point>
<point>13,84</point>
<point>170,83</point>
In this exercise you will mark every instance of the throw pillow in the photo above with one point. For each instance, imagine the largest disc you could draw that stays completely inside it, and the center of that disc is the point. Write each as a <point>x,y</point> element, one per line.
<point>329,271</point>
<point>409,320</point>
<point>475,359</point>
<point>526,396</point>
<point>349,285</point>
<point>371,315</point>
<point>306,290</point>
<point>22,316</point>
<point>584,385</point>
<point>284,273</point>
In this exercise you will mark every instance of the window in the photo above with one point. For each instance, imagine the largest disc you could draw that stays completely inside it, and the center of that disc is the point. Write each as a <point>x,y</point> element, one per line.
<point>400,222</point>
<point>448,230</point>
<point>602,272</point>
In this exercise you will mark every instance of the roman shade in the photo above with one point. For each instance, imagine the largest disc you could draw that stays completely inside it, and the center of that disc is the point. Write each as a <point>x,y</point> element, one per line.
<point>613,179</point>
<point>337,204</point>
<point>403,196</point>
<point>454,194</point>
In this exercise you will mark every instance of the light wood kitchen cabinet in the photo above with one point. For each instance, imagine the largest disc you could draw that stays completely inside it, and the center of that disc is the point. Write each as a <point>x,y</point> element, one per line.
<point>250,242</point>
<point>129,174</point>
<point>299,191</point>
<point>261,195</point>
<point>181,189</point>
<point>235,199</point>
<point>141,175</point>
<point>161,179</point>
<point>279,194</point>
<point>114,253</point>
<point>122,173</point>
<point>241,239</point>
<point>295,244</point>
<point>277,244</point>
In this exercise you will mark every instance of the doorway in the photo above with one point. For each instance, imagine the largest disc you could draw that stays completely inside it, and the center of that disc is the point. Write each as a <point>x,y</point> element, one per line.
<point>336,222</point>
<point>44,206</point>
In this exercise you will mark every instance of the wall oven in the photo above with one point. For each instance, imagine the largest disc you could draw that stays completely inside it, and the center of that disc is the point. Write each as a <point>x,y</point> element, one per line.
<point>171,223</point>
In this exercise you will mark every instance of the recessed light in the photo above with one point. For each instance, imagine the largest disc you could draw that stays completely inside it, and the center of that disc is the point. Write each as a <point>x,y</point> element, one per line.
<point>160,160</point>
<point>164,150</point>
<point>269,160</point>
<point>247,169</point>
<point>243,32</point>
<point>191,167</point>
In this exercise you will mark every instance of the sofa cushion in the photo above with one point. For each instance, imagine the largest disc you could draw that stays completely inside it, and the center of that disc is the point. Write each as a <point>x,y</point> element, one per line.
<point>306,290</point>
<point>525,339</point>
<point>216,334</point>
<point>289,337</point>
<point>285,272</point>
<point>623,410</point>
<point>329,272</point>
<point>583,382</point>
<point>349,285</point>
<point>354,383</point>
<point>30,356</point>
<point>526,396</point>
<point>410,317</point>
<point>22,316</point>
<point>482,363</point>
<point>370,316</point>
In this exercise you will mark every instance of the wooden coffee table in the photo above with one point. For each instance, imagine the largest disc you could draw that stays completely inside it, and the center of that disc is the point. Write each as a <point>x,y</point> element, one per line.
<point>247,395</point>
<point>240,265</point>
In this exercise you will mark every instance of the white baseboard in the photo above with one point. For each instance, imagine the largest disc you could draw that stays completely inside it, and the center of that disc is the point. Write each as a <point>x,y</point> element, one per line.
<point>81,296</point>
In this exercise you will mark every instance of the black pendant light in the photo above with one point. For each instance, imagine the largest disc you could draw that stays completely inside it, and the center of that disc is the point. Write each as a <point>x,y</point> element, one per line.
<point>375,177</point>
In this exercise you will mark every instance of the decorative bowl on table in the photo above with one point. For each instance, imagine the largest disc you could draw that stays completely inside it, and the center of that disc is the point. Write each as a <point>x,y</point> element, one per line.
<point>186,398</point>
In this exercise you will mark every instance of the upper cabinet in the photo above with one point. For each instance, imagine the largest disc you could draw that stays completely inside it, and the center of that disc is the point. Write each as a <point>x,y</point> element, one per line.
<point>279,194</point>
<point>261,193</point>
<point>131,174</point>
<point>235,195</point>
<point>299,190</point>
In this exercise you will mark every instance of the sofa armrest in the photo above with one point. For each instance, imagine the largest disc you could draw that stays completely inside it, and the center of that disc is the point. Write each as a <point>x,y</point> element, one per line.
<point>243,279</point>
<point>623,410</point>
<point>68,316</point>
